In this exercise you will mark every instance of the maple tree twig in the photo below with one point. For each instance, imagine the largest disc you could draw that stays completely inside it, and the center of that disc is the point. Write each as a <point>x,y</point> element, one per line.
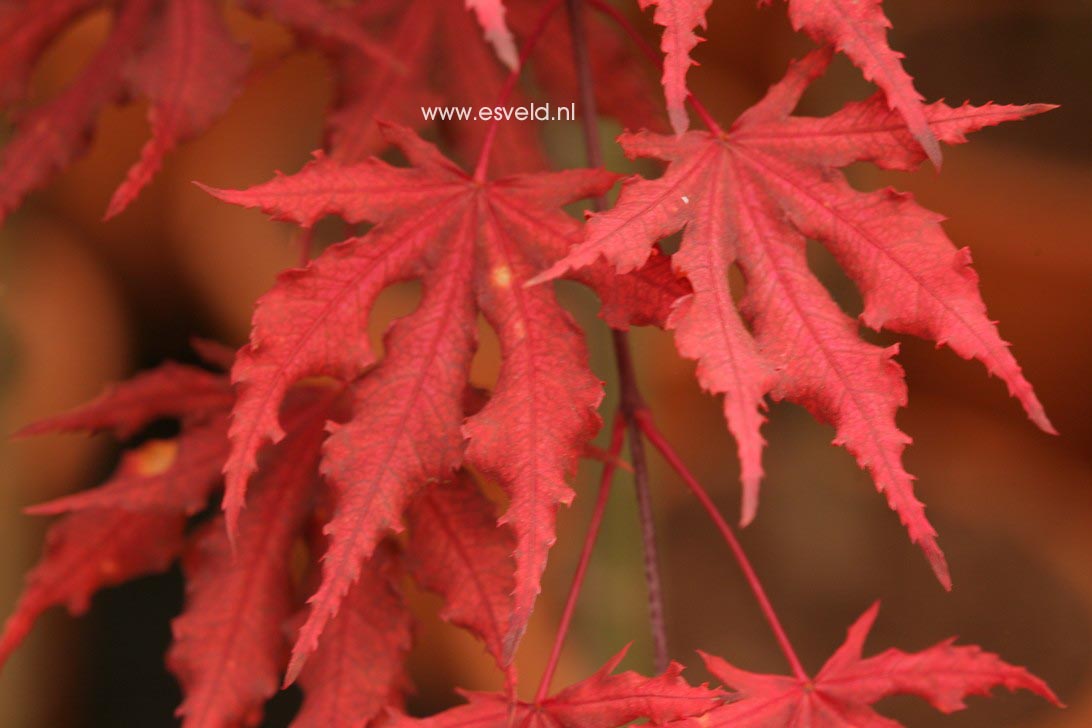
<point>618,431</point>
<point>631,401</point>
<point>653,57</point>
<point>648,426</point>
<point>528,47</point>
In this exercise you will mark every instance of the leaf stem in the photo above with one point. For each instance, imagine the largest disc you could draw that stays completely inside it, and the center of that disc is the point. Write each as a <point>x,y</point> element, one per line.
<point>653,57</point>
<point>482,166</point>
<point>631,401</point>
<point>305,241</point>
<point>647,425</point>
<point>618,431</point>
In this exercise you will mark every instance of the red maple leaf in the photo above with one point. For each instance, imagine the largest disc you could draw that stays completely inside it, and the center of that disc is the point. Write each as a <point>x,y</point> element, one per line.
<point>858,28</point>
<point>177,54</point>
<point>473,244</point>
<point>842,694</point>
<point>324,449</point>
<point>134,524</point>
<point>600,701</point>
<point>750,197</point>
<point>26,30</point>
<point>190,70</point>
<point>243,601</point>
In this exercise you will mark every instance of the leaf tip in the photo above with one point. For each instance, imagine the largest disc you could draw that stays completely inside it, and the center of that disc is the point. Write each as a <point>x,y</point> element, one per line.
<point>118,202</point>
<point>931,146</point>
<point>939,565</point>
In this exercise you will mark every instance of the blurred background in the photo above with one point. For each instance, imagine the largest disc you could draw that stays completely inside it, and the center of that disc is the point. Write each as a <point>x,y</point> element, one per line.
<point>85,303</point>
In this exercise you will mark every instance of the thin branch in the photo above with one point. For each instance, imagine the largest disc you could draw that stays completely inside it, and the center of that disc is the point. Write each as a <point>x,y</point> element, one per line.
<point>631,401</point>
<point>648,427</point>
<point>618,432</point>
<point>481,168</point>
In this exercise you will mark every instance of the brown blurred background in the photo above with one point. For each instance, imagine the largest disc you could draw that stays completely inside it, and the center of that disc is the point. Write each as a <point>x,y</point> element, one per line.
<point>84,303</point>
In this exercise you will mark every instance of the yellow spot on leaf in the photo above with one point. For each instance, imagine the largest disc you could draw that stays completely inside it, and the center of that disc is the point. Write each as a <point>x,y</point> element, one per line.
<point>502,276</point>
<point>155,457</point>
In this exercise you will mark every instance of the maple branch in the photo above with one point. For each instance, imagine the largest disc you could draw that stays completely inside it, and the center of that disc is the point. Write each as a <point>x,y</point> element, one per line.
<point>647,425</point>
<point>618,431</point>
<point>653,56</point>
<point>525,51</point>
<point>631,400</point>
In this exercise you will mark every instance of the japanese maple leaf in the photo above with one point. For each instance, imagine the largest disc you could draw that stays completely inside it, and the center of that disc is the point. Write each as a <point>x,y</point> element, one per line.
<point>231,643</point>
<point>842,694</point>
<point>134,524</point>
<point>26,29</point>
<point>49,137</point>
<point>750,197</point>
<point>472,244</point>
<point>177,54</point>
<point>600,701</point>
<point>191,70</point>
<point>858,28</point>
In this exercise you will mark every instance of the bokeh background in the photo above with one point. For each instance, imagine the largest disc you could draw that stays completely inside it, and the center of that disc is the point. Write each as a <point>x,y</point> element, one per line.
<point>85,303</point>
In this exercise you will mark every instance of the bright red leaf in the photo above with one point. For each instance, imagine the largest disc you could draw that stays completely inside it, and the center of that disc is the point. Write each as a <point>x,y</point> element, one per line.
<point>191,69</point>
<point>473,245</point>
<point>26,29</point>
<point>338,447</point>
<point>843,693</point>
<point>750,197</point>
<point>134,525</point>
<point>177,54</point>
<point>49,137</point>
